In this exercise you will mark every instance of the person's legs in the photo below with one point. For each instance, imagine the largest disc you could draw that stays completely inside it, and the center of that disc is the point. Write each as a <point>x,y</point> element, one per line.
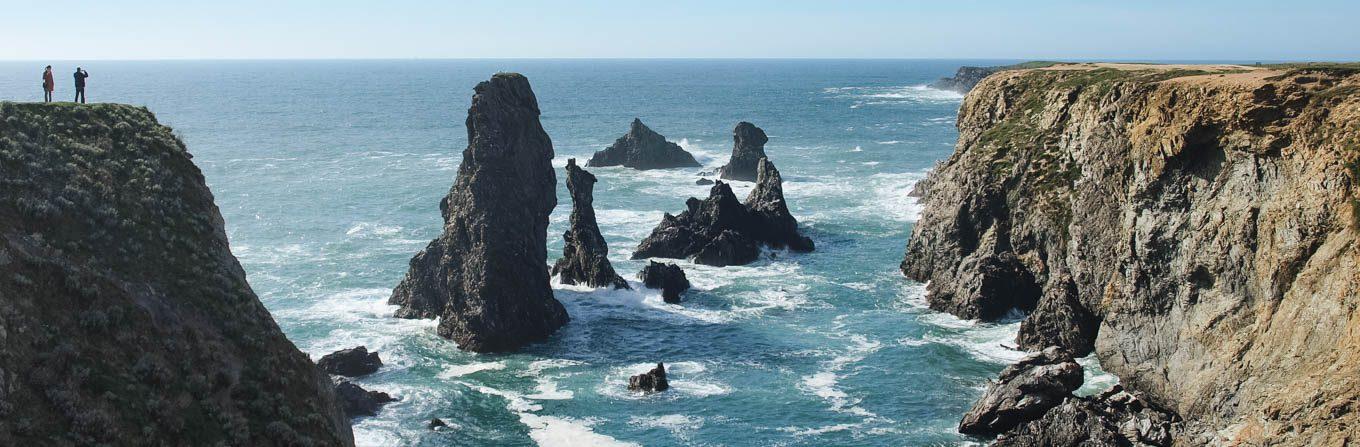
<point>80,96</point>
<point>47,95</point>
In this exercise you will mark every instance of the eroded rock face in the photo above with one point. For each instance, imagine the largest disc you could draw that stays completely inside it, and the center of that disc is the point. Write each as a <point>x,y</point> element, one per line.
<point>124,316</point>
<point>721,231</point>
<point>964,79</point>
<point>1024,392</point>
<point>642,148</point>
<point>1115,418</point>
<point>486,277</point>
<point>585,257</point>
<point>670,278</point>
<point>358,401</point>
<point>352,362</point>
<point>748,147</point>
<point>651,381</point>
<point>1196,232</point>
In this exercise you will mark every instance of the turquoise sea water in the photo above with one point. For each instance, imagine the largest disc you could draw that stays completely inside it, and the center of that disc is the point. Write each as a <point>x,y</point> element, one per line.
<point>329,175</point>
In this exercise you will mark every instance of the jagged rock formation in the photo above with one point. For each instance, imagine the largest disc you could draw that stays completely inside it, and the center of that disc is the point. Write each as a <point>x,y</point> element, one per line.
<point>651,381</point>
<point>1023,392</point>
<point>748,148</point>
<point>968,77</point>
<point>1115,418</point>
<point>124,317</point>
<point>670,278</point>
<point>486,276</point>
<point>352,362</point>
<point>1195,227</point>
<point>358,401</point>
<point>721,231</point>
<point>585,257</point>
<point>642,148</point>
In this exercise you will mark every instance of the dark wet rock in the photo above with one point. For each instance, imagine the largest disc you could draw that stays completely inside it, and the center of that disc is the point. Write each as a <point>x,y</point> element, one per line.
<point>1115,418</point>
<point>358,401</point>
<point>353,362</point>
<point>703,181</point>
<point>670,278</point>
<point>748,147</point>
<point>965,78</point>
<point>585,256</point>
<point>721,231</point>
<point>486,276</point>
<point>650,381</point>
<point>1023,392</point>
<point>437,423</point>
<point>641,148</point>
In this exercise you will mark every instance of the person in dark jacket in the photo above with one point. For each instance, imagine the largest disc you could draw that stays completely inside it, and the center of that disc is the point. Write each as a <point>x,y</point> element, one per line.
<point>80,76</point>
<point>48,84</point>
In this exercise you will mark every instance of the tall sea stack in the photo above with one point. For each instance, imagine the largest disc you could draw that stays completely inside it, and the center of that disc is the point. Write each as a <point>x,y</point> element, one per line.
<point>748,147</point>
<point>642,148</point>
<point>585,256</point>
<point>486,276</point>
<point>124,317</point>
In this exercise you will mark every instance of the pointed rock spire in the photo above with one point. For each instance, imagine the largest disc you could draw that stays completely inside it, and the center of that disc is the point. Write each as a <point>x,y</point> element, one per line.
<point>641,148</point>
<point>585,257</point>
<point>748,147</point>
<point>485,277</point>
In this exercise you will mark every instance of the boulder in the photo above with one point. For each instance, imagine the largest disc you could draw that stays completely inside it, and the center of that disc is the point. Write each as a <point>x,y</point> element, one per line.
<point>436,424</point>
<point>748,147</point>
<point>486,277</point>
<point>650,381</point>
<point>641,148</point>
<point>721,231</point>
<point>703,182</point>
<point>1024,392</point>
<point>353,362</point>
<point>585,257</point>
<point>1115,418</point>
<point>357,401</point>
<point>670,278</point>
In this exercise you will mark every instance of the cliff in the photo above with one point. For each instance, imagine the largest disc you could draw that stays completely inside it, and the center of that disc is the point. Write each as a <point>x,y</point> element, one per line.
<point>1194,226</point>
<point>124,317</point>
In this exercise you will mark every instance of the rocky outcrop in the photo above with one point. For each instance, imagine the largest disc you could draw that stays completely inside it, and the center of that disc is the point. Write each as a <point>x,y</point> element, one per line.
<point>358,401</point>
<point>642,148</point>
<point>651,381</point>
<point>670,278</point>
<point>1194,227</point>
<point>1115,418</point>
<point>703,182</point>
<point>721,231</point>
<point>964,79</point>
<point>352,362</point>
<point>124,316</point>
<point>748,148</point>
<point>486,276</point>
<point>585,256</point>
<point>1024,392</point>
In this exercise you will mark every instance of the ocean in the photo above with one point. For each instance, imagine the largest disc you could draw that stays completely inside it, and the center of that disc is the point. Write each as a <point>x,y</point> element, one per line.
<point>329,176</point>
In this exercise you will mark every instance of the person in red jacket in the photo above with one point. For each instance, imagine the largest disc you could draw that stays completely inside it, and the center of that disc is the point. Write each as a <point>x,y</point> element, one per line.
<point>48,84</point>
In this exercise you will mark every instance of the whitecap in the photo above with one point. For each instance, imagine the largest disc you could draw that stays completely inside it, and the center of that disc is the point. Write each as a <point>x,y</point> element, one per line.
<point>452,371</point>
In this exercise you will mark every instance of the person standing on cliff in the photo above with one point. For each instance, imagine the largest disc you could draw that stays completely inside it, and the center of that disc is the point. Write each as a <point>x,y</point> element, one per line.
<point>80,76</point>
<point>48,84</point>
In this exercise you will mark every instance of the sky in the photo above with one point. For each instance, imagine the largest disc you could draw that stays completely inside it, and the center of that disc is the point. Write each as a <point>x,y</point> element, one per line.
<point>400,29</point>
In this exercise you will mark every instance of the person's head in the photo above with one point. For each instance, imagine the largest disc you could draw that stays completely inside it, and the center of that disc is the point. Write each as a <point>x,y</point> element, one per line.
<point>49,67</point>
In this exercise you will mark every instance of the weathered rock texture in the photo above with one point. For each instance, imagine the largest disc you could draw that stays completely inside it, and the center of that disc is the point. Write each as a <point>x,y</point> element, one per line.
<point>1023,392</point>
<point>1116,418</point>
<point>1197,230</point>
<point>585,256</point>
<point>352,362</point>
<point>124,317</point>
<point>650,381</point>
<point>721,231</point>
<point>670,278</point>
<point>748,148</point>
<point>642,148</point>
<point>486,276</point>
<point>968,77</point>
<point>358,401</point>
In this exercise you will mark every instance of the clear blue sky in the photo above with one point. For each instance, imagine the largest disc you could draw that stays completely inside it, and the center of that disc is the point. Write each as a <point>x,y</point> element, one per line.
<point>1034,29</point>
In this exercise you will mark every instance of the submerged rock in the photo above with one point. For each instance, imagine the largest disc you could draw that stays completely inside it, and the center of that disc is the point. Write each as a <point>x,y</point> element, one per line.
<point>1115,418</point>
<point>641,148</point>
<point>721,231</point>
<point>436,424</point>
<point>358,401</point>
<point>585,256</point>
<point>485,277</point>
<point>703,182</point>
<point>748,147</point>
<point>670,278</point>
<point>353,362</point>
<point>650,381</point>
<point>1023,392</point>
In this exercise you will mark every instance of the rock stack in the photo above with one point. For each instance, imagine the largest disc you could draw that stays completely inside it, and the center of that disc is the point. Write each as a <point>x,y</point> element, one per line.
<point>748,147</point>
<point>486,276</point>
<point>670,278</point>
<point>358,401</point>
<point>721,231</point>
<point>641,148</point>
<point>353,362</point>
<point>651,381</point>
<point>585,257</point>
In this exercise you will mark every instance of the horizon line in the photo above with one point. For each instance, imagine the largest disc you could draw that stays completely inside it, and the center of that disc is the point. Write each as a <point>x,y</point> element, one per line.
<point>342,59</point>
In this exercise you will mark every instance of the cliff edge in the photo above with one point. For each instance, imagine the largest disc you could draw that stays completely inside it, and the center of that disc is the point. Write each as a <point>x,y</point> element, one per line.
<point>124,317</point>
<point>1194,226</point>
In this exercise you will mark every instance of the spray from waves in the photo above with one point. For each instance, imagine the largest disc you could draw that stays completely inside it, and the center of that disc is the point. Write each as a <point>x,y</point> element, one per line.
<point>587,303</point>
<point>988,342</point>
<point>550,431</point>
<point>703,156</point>
<point>893,95</point>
